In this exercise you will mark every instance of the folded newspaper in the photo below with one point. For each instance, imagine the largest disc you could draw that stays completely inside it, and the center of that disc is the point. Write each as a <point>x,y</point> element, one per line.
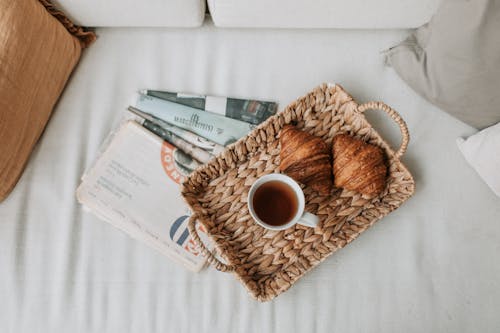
<point>134,183</point>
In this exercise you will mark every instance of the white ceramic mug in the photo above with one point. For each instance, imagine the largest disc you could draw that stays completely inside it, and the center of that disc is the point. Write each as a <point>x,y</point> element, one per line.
<point>301,217</point>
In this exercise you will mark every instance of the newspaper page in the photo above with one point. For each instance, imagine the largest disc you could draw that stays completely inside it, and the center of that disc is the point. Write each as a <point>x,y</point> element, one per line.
<point>135,185</point>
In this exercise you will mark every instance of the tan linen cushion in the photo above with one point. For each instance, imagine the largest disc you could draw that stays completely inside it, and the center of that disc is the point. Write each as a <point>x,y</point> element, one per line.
<point>37,55</point>
<point>454,60</point>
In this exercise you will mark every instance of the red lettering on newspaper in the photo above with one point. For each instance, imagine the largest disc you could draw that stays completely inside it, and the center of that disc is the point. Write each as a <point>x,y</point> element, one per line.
<point>168,163</point>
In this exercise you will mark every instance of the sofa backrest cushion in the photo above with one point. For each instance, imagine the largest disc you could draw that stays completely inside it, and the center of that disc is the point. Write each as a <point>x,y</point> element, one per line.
<point>349,14</point>
<point>133,13</point>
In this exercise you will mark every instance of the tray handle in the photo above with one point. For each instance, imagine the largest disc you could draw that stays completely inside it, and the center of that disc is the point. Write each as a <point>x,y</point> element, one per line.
<point>396,117</point>
<point>220,266</point>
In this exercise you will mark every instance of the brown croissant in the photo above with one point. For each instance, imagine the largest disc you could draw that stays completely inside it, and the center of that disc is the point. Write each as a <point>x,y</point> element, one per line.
<point>306,158</point>
<point>358,166</point>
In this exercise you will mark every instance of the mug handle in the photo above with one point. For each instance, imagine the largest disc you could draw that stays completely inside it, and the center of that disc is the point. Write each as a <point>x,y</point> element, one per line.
<point>309,220</point>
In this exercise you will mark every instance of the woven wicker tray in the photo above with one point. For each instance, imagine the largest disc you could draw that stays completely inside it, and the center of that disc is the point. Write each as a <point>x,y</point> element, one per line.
<point>269,262</point>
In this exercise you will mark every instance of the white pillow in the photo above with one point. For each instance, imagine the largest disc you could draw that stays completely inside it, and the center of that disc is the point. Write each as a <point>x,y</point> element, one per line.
<point>482,151</point>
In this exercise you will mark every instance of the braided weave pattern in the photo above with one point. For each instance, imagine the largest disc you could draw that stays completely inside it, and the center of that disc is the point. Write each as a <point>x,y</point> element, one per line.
<point>85,36</point>
<point>269,262</point>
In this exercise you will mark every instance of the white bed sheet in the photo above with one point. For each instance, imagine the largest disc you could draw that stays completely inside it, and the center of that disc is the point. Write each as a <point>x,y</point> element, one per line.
<point>431,266</point>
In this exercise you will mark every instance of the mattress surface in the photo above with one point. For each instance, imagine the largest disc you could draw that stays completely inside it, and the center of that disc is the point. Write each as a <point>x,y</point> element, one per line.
<point>430,266</point>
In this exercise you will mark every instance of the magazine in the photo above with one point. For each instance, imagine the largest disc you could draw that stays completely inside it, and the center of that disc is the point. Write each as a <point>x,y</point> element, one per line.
<point>214,127</point>
<point>250,111</point>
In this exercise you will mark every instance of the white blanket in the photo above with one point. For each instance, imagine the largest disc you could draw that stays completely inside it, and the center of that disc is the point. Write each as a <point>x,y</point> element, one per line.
<point>430,266</point>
